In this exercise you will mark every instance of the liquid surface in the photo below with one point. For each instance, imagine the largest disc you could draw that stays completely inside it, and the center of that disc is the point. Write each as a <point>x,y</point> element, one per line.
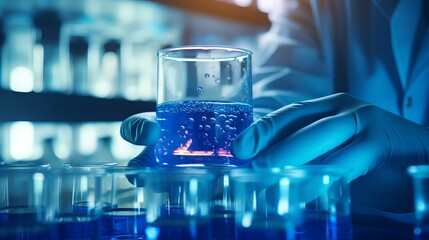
<point>200,132</point>
<point>172,227</point>
<point>122,222</point>
<point>77,227</point>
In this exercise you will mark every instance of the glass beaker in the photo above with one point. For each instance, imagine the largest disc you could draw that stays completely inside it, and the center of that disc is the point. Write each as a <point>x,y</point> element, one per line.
<point>126,216</point>
<point>26,206</point>
<point>178,204</point>
<point>420,176</point>
<point>222,214</point>
<point>307,202</point>
<point>79,202</point>
<point>203,102</point>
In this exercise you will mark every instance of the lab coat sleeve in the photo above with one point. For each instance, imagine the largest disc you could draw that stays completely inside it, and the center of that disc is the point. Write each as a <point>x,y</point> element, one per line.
<point>290,63</point>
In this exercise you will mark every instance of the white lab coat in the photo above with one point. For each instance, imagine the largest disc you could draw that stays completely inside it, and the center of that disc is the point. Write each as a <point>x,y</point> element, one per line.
<point>376,50</point>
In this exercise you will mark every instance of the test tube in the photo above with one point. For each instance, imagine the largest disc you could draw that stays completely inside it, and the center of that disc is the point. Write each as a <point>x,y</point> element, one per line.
<point>78,50</point>
<point>105,68</point>
<point>17,52</point>
<point>420,176</point>
<point>48,23</point>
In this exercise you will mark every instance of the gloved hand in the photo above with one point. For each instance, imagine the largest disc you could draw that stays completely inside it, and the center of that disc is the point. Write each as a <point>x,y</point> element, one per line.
<point>142,129</point>
<point>374,144</point>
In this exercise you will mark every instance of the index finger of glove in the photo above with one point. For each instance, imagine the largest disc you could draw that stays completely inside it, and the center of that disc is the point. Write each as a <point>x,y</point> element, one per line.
<point>141,129</point>
<point>310,142</point>
<point>279,124</point>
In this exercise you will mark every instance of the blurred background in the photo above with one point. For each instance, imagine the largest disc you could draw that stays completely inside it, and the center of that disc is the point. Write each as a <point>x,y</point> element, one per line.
<point>72,70</point>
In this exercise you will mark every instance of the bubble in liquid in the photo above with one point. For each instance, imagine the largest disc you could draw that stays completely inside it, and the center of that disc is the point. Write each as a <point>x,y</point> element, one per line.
<point>200,90</point>
<point>217,81</point>
<point>207,127</point>
<point>207,75</point>
<point>203,118</point>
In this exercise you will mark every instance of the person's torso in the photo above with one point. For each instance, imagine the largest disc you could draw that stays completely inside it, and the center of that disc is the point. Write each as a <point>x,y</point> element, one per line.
<point>368,45</point>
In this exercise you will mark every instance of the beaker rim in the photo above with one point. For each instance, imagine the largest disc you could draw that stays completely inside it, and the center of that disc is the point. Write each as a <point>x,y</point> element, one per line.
<point>418,171</point>
<point>297,172</point>
<point>90,164</point>
<point>24,165</point>
<point>235,53</point>
<point>178,174</point>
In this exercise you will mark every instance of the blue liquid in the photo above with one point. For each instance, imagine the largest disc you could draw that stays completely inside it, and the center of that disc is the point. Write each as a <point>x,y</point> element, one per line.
<point>173,228</point>
<point>78,227</point>
<point>263,229</point>
<point>173,224</point>
<point>200,132</point>
<point>24,223</point>
<point>319,225</point>
<point>81,208</point>
<point>223,225</point>
<point>121,222</point>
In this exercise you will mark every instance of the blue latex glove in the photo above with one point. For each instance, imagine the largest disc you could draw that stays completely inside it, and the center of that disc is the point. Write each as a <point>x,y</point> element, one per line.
<point>142,129</point>
<point>375,145</point>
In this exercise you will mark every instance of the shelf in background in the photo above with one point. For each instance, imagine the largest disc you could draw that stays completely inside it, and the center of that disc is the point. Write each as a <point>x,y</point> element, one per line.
<point>17,106</point>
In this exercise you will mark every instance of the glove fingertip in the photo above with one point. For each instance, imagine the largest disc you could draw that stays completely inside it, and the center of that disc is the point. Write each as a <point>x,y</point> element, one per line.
<point>125,132</point>
<point>147,133</point>
<point>240,148</point>
<point>140,131</point>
